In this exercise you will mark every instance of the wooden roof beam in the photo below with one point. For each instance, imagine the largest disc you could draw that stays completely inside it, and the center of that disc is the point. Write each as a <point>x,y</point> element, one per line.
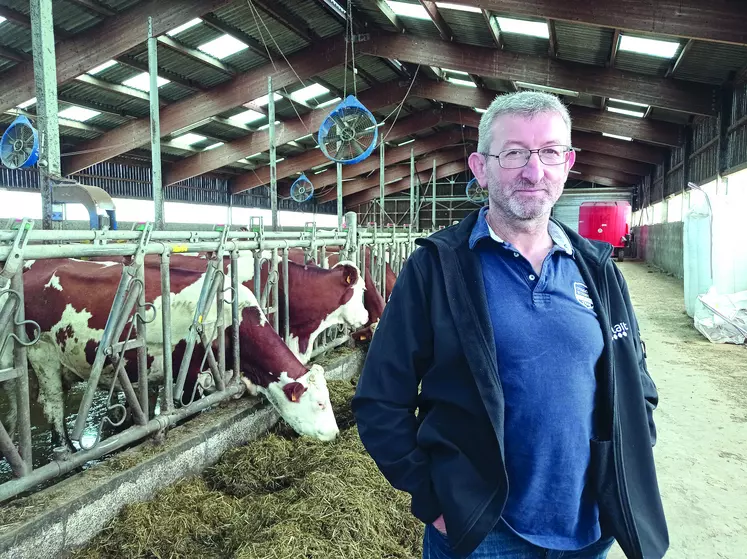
<point>680,57</point>
<point>440,140</point>
<point>95,8</point>
<point>583,140</point>
<point>583,118</point>
<point>396,172</point>
<point>312,158</point>
<point>442,172</point>
<point>623,178</point>
<point>241,89</point>
<point>76,55</point>
<point>292,129</point>
<point>723,21</point>
<point>390,15</point>
<point>487,62</point>
<point>610,62</point>
<point>437,19</point>
<point>495,31</point>
<point>552,47</point>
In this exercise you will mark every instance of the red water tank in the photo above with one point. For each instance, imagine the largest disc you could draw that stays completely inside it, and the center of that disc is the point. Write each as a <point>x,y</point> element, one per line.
<point>605,221</point>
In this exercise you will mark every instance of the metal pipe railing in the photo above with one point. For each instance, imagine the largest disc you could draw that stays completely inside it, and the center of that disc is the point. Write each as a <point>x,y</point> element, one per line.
<point>369,248</point>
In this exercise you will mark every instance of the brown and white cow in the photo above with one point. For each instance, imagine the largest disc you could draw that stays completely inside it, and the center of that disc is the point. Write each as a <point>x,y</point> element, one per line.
<point>71,299</point>
<point>318,298</point>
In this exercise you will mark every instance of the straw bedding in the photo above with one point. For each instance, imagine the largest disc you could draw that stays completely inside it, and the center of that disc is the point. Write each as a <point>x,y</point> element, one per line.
<point>279,497</point>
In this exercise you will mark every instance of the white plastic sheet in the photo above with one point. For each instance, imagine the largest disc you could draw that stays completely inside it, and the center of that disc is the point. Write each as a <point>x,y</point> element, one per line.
<point>722,318</point>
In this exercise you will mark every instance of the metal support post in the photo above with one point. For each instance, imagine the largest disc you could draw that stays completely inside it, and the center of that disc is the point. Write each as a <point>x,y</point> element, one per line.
<point>22,381</point>
<point>433,203</point>
<point>339,196</point>
<point>351,218</point>
<point>168,369</point>
<point>381,184</point>
<point>273,156</point>
<point>286,309</point>
<point>142,351</point>
<point>45,77</point>
<point>155,128</point>
<point>412,186</point>
<point>235,318</point>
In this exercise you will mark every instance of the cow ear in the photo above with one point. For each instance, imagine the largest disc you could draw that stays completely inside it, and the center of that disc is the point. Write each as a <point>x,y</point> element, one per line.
<point>350,275</point>
<point>294,391</point>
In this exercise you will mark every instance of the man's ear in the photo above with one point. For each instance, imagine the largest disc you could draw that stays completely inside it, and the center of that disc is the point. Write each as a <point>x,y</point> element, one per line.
<point>477,163</point>
<point>571,160</point>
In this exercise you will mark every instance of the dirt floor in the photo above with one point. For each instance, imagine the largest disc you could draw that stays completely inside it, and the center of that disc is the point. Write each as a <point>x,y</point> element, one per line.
<point>701,454</point>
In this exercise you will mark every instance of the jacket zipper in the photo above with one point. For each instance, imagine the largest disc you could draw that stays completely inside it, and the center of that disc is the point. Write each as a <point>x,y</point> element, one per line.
<point>617,446</point>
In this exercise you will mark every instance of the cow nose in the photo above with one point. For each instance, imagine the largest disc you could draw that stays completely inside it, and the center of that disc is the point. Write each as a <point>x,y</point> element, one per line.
<point>329,434</point>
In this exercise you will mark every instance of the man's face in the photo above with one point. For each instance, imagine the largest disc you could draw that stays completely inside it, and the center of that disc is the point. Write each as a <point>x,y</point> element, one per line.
<point>528,192</point>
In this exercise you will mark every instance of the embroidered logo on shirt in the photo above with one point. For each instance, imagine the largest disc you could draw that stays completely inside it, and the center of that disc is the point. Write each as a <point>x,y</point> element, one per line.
<point>619,331</point>
<point>582,294</point>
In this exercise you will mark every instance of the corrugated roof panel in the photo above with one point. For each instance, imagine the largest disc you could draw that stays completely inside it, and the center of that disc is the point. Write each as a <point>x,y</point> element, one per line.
<point>677,117</point>
<point>186,67</point>
<point>73,18</point>
<point>245,60</point>
<point>711,62</point>
<point>583,43</point>
<point>104,97</point>
<point>525,44</point>
<point>6,64</point>
<point>15,36</point>
<point>336,77</point>
<point>642,63</point>
<point>172,92</point>
<point>376,67</point>
<point>373,14</point>
<point>263,28</point>
<point>468,27</point>
<point>497,84</point>
<point>585,100</point>
<point>223,131</point>
<point>315,16</point>
<point>420,27</point>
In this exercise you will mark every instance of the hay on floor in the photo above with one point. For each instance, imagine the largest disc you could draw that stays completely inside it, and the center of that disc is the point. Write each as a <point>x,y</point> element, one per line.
<point>279,497</point>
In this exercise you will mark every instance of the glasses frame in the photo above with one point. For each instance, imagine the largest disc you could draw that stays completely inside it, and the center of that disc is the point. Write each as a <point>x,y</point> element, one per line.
<point>566,150</point>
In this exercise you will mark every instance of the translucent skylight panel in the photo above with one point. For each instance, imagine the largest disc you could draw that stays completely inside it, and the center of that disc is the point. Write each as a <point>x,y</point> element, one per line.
<point>637,114</point>
<point>408,10</point>
<point>626,138</point>
<point>213,146</point>
<point>309,92</point>
<point>328,103</point>
<point>651,47</point>
<point>223,47</point>
<point>522,27</point>
<point>188,139</point>
<point>79,114</point>
<point>405,143</point>
<point>142,82</point>
<point>102,67</point>
<point>629,103</point>
<point>465,83</point>
<point>547,89</point>
<point>460,7</point>
<point>189,25</point>
<point>27,104</point>
<point>246,117</point>
<point>264,100</point>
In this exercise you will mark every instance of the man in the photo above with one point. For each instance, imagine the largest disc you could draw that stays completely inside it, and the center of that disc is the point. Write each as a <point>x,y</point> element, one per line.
<point>516,342</point>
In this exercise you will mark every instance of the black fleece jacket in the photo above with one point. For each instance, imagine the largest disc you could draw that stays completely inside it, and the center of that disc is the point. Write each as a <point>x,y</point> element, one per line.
<point>429,403</point>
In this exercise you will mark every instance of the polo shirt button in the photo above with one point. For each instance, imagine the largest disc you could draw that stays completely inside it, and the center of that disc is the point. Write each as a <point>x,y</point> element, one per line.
<point>516,254</point>
<point>532,277</point>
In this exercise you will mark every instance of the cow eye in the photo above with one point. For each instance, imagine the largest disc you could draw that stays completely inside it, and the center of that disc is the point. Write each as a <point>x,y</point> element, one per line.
<point>322,405</point>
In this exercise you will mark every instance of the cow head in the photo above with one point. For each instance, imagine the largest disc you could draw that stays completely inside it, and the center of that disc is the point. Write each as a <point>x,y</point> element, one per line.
<point>353,312</point>
<point>304,403</point>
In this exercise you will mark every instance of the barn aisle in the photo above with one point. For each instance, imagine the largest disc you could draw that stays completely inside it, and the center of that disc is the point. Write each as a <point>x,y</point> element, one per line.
<point>701,453</point>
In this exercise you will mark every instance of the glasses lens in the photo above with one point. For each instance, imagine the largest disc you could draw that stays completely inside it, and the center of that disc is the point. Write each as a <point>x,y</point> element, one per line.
<point>515,158</point>
<point>554,155</point>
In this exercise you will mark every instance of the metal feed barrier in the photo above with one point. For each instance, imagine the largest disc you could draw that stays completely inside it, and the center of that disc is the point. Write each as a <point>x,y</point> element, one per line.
<point>21,243</point>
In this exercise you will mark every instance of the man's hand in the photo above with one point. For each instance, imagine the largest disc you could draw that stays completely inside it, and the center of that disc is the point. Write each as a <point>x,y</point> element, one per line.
<point>440,525</point>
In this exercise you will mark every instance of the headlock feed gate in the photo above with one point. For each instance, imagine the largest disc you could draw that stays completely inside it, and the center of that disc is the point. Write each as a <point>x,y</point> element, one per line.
<point>131,317</point>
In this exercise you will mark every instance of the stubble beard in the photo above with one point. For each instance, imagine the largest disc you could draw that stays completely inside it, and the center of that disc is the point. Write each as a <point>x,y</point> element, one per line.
<point>516,206</point>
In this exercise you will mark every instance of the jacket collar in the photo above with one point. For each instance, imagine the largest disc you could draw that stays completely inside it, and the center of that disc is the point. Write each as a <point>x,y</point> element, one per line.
<point>458,236</point>
<point>482,230</point>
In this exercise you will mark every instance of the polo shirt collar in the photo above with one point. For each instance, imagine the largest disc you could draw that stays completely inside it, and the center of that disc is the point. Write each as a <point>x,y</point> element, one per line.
<point>482,230</point>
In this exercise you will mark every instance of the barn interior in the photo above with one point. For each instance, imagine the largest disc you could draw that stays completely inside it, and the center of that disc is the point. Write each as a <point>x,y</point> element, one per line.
<point>190,118</point>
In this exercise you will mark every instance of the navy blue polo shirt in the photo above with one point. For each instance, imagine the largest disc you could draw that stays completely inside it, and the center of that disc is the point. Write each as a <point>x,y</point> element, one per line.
<point>548,341</point>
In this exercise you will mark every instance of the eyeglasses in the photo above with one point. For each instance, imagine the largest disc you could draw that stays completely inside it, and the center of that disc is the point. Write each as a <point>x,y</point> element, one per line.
<point>517,158</point>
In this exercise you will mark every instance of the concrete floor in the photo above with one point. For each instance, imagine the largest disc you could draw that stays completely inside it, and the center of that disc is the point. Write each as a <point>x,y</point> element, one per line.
<point>701,454</point>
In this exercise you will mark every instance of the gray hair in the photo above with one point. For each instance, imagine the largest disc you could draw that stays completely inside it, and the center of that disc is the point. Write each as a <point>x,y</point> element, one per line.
<point>523,103</point>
